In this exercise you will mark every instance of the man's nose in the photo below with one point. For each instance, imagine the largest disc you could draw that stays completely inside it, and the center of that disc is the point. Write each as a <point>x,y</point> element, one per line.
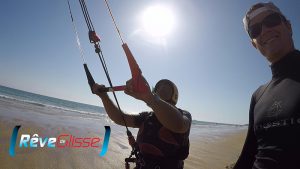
<point>265,29</point>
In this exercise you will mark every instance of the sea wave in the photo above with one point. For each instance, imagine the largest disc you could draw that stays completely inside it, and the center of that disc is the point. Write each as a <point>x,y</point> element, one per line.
<point>52,106</point>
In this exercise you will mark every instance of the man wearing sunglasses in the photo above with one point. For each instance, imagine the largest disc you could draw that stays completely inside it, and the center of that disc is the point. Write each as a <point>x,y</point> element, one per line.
<point>273,139</point>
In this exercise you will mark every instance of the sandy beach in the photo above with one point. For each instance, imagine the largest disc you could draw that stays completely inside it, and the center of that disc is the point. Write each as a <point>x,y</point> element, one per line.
<point>207,151</point>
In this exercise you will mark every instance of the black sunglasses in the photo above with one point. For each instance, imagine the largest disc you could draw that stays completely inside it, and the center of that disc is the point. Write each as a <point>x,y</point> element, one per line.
<point>269,21</point>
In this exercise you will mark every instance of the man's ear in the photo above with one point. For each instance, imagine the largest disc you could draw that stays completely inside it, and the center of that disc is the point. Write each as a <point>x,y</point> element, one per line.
<point>253,44</point>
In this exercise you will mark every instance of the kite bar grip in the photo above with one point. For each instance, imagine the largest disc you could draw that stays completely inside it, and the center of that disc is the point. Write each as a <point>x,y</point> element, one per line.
<point>89,76</point>
<point>91,82</point>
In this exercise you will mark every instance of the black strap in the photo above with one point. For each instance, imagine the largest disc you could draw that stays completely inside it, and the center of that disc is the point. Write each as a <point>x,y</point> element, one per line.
<point>152,163</point>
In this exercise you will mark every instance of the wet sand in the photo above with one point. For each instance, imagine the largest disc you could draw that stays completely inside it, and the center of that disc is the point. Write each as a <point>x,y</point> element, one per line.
<point>212,152</point>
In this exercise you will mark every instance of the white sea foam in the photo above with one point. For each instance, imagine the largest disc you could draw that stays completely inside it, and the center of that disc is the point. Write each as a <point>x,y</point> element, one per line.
<point>52,106</point>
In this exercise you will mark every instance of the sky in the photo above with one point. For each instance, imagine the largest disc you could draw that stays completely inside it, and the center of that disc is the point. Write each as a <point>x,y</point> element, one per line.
<point>206,53</point>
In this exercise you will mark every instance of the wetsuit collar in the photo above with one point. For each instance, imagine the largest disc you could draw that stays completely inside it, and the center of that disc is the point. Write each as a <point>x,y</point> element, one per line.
<point>288,65</point>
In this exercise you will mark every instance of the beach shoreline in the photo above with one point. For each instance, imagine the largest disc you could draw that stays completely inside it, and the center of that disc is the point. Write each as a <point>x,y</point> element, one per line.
<point>214,151</point>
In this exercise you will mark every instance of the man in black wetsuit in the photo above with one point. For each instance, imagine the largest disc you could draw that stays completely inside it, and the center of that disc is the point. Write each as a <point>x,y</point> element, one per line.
<point>163,137</point>
<point>273,139</point>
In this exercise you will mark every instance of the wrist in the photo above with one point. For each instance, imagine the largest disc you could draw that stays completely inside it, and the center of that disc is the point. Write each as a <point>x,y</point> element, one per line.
<point>103,95</point>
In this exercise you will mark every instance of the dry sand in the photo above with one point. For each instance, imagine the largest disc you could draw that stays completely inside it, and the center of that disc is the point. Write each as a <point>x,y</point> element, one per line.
<point>204,153</point>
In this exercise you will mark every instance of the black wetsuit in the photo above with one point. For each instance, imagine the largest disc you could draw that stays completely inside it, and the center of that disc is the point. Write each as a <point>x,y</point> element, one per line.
<point>273,139</point>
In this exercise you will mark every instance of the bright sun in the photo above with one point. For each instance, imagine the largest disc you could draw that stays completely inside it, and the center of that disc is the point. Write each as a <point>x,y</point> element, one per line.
<point>158,21</point>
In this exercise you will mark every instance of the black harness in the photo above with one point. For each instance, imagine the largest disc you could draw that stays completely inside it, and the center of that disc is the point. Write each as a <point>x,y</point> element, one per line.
<point>151,133</point>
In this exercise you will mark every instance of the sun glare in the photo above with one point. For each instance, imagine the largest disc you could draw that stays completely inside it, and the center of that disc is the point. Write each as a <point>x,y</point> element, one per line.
<point>158,21</point>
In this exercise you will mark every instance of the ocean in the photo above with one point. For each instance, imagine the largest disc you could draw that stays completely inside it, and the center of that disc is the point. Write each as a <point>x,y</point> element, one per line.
<point>37,99</point>
<point>200,127</point>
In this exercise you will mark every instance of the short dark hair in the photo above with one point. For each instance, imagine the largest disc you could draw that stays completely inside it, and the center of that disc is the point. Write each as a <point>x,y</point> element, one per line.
<point>268,5</point>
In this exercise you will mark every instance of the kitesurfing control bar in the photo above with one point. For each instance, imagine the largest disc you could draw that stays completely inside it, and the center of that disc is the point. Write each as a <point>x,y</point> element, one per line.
<point>111,89</point>
<point>138,84</point>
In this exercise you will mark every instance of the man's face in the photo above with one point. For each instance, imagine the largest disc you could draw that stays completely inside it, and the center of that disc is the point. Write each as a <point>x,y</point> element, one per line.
<point>273,42</point>
<point>164,91</point>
